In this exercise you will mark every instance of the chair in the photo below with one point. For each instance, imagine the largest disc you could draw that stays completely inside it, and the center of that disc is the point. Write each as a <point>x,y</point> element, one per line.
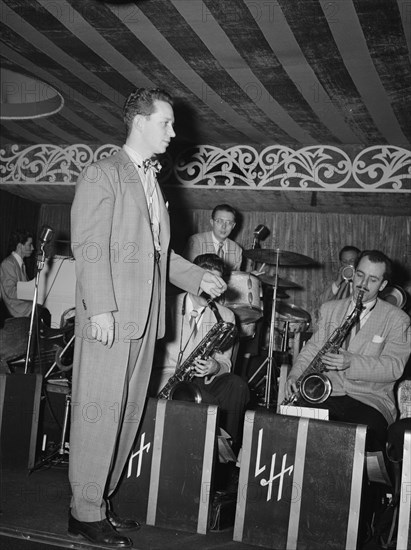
<point>387,526</point>
<point>395,453</point>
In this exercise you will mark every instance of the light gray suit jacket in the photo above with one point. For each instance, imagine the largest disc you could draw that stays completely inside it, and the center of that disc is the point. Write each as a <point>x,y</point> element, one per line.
<point>113,246</point>
<point>380,351</point>
<point>203,243</point>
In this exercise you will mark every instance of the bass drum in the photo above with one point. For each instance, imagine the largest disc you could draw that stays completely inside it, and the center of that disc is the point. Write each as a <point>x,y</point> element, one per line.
<point>394,295</point>
<point>243,297</point>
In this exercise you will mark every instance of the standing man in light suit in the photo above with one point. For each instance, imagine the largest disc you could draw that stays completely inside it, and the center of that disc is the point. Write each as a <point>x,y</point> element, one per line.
<point>216,241</point>
<point>13,270</point>
<point>120,241</point>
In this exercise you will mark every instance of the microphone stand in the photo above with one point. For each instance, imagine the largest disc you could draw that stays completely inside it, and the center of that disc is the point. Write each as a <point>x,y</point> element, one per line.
<point>40,265</point>
<point>270,354</point>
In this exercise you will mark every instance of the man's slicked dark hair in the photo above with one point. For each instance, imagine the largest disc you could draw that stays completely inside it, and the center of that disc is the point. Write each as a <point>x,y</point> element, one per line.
<point>18,236</point>
<point>377,257</point>
<point>141,102</point>
<point>210,262</point>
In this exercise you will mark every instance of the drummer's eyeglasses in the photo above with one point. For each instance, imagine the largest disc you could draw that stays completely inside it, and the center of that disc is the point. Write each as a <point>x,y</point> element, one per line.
<point>220,221</point>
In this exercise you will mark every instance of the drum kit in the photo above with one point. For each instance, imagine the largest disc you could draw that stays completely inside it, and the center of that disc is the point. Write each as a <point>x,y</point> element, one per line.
<point>244,296</point>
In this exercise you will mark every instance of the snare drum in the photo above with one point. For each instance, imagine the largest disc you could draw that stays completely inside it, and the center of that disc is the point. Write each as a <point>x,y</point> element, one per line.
<point>299,319</point>
<point>243,296</point>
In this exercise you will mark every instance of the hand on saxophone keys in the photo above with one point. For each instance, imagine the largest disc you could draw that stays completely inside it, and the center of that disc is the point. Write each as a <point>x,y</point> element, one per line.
<point>337,361</point>
<point>206,367</point>
<point>291,387</point>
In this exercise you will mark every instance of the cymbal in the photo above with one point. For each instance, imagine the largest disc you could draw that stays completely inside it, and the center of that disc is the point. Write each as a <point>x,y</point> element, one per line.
<point>269,256</point>
<point>291,312</point>
<point>281,283</point>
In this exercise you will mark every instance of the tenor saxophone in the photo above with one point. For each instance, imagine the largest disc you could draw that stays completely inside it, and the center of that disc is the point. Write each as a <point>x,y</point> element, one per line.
<point>218,338</point>
<point>313,386</point>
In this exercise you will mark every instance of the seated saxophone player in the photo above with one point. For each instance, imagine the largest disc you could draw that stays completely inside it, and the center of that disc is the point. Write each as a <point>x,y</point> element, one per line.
<point>364,367</point>
<point>372,356</point>
<point>189,320</point>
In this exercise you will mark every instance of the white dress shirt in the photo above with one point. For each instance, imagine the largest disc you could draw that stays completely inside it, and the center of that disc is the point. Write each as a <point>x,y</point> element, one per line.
<point>149,181</point>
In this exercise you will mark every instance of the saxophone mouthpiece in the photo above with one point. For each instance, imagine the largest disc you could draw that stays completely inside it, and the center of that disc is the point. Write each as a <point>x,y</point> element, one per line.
<point>358,302</point>
<point>211,304</point>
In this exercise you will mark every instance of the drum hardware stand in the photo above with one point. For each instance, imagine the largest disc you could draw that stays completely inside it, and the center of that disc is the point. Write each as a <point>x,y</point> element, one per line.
<point>61,355</point>
<point>57,456</point>
<point>285,337</point>
<point>270,356</point>
<point>45,237</point>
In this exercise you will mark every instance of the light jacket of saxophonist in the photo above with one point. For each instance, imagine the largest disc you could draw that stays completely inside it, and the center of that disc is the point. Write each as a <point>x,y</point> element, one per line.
<point>379,353</point>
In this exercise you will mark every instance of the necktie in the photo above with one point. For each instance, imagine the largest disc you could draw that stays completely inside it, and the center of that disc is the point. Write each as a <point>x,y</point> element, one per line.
<point>355,329</point>
<point>220,251</point>
<point>193,324</point>
<point>150,169</point>
<point>154,164</point>
<point>23,269</point>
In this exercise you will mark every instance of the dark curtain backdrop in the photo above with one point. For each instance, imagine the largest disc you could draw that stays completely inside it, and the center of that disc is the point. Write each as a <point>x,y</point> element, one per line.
<point>17,213</point>
<point>57,216</point>
<point>319,236</point>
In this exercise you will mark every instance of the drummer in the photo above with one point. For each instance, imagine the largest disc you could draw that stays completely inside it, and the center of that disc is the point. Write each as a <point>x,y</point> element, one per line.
<point>223,220</point>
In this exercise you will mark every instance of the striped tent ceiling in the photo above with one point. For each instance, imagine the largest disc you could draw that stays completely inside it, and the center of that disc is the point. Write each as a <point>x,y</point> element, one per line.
<point>257,72</point>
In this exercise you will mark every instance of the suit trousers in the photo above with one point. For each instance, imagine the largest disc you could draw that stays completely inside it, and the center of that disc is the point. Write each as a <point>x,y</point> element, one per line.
<point>107,405</point>
<point>346,409</point>
<point>231,394</point>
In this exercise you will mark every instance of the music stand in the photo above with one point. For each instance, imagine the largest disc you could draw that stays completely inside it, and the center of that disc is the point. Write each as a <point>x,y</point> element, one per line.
<point>45,237</point>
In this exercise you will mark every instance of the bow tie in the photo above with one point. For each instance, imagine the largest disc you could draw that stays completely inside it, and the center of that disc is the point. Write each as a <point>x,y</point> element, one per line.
<point>154,164</point>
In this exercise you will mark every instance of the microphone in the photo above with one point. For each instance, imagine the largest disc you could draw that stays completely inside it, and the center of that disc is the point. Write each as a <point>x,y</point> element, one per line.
<point>260,233</point>
<point>212,306</point>
<point>46,234</point>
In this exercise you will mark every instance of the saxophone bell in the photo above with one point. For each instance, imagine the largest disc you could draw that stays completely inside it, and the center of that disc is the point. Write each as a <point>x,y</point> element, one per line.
<point>316,388</point>
<point>186,391</point>
<point>180,385</point>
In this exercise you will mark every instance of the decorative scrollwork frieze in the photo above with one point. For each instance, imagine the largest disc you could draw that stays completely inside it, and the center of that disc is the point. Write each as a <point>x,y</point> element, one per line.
<point>319,168</point>
<point>47,163</point>
<point>383,168</point>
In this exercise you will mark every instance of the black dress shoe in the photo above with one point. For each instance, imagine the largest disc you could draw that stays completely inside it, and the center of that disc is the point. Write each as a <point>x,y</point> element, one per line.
<point>122,524</point>
<point>99,532</point>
